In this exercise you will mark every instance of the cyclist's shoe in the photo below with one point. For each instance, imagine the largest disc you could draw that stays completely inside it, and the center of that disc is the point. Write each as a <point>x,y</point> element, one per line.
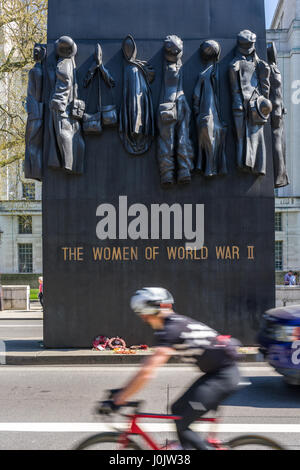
<point>213,444</point>
<point>174,445</point>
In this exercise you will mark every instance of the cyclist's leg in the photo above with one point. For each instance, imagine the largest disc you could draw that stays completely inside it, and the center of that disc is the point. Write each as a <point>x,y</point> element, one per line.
<point>185,407</point>
<point>204,395</point>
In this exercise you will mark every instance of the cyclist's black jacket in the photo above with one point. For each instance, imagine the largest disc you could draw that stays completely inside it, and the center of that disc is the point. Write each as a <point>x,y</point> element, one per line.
<point>197,343</point>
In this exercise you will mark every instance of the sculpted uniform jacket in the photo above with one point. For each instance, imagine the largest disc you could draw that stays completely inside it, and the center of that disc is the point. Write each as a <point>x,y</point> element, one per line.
<point>277,122</point>
<point>210,128</point>
<point>248,74</point>
<point>175,148</point>
<point>67,143</point>
<point>34,127</point>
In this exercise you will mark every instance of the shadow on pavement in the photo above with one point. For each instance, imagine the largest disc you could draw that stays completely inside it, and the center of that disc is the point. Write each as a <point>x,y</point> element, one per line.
<point>265,392</point>
<point>23,345</point>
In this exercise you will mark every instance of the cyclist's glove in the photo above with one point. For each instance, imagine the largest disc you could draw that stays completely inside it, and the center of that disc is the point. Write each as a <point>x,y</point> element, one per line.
<point>107,407</point>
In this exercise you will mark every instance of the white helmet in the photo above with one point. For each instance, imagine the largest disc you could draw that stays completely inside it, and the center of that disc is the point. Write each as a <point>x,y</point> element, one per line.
<point>149,300</point>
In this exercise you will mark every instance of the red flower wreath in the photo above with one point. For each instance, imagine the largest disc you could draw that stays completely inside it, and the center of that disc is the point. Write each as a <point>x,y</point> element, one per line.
<point>116,342</point>
<point>100,341</point>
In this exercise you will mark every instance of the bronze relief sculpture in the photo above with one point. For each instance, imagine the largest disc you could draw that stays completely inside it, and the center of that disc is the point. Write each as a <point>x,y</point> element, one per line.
<point>67,143</point>
<point>136,119</point>
<point>105,115</point>
<point>281,178</point>
<point>250,86</point>
<point>35,121</point>
<point>175,149</point>
<point>211,130</point>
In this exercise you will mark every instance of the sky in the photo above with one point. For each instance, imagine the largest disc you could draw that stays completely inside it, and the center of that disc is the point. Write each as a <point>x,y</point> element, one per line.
<point>270,6</point>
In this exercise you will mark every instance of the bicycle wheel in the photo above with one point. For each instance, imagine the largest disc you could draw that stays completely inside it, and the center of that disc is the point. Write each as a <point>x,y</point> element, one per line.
<point>106,441</point>
<point>253,443</point>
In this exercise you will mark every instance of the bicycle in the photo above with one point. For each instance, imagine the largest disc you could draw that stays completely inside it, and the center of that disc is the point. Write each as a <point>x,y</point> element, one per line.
<point>122,440</point>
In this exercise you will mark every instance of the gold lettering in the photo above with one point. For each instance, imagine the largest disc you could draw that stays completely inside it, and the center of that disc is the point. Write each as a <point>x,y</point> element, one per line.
<point>204,252</point>
<point>171,252</point>
<point>80,253</point>
<point>235,252</point>
<point>73,254</point>
<point>134,253</point>
<point>148,253</point>
<point>251,252</point>
<point>65,253</point>
<point>97,252</point>
<point>220,251</point>
<point>126,253</point>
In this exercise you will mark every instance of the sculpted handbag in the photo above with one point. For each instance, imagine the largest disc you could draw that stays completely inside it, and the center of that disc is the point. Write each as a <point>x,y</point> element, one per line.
<point>92,123</point>
<point>168,112</point>
<point>78,106</point>
<point>78,109</point>
<point>109,113</point>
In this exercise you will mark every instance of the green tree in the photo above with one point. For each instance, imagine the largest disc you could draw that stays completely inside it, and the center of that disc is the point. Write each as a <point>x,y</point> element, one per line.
<point>22,24</point>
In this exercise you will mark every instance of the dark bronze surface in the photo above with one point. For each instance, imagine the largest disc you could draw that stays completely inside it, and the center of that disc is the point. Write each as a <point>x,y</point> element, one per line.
<point>281,178</point>
<point>67,146</point>
<point>175,150</point>
<point>93,123</point>
<point>211,130</point>
<point>250,80</point>
<point>136,127</point>
<point>85,298</point>
<point>35,121</point>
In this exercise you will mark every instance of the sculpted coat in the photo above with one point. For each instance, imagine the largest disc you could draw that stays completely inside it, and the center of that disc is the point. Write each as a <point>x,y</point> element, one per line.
<point>136,126</point>
<point>67,143</point>
<point>35,121</point>
<point>211,131</point>
<point>250,80</point>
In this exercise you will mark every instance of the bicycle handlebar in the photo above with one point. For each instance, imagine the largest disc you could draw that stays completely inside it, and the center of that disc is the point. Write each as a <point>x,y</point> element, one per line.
<point>129,404</point>
<point>107,406</point>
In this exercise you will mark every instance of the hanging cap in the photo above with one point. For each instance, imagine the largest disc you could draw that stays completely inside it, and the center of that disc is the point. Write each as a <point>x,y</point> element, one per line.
<point>246,41</point>
<point>264,107</point>
<point>65,47</point>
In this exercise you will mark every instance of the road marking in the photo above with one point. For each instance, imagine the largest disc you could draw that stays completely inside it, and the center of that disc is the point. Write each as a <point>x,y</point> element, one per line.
<point>125,368</point>
<point>148,427</point>
<point>21,326</point>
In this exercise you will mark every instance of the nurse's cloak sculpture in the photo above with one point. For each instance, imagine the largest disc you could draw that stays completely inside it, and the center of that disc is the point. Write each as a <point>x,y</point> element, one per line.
<point>136,119</point>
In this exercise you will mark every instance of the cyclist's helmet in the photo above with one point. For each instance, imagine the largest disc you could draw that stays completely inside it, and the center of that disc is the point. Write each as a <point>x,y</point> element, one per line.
<point>149,300</point>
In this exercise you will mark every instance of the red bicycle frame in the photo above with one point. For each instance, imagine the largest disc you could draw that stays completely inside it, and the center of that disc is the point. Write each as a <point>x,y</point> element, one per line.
<point>135,429</point>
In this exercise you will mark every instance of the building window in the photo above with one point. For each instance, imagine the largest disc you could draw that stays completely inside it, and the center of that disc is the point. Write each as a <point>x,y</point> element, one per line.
<point>278,221</point>
<point>29,191</point>
<point>278,255</point>
<point>25,257</point>
<point>25,224</point>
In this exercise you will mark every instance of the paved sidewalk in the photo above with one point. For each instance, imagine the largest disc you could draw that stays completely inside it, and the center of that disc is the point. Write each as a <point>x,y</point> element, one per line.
<point>33,352</point>
<point>35,313</point>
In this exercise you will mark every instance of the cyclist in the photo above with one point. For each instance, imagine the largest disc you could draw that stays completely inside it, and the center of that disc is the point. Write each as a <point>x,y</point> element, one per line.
<point>175,334</point>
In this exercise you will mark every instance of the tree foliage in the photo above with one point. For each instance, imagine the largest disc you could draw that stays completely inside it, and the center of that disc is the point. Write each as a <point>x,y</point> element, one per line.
<point>22,24</point>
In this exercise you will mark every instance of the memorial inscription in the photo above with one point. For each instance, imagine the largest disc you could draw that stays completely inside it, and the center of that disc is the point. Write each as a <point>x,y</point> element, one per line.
<point>96,251</point>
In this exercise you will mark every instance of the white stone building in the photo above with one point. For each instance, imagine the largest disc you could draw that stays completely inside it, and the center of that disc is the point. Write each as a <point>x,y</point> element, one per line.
<point>20,223</point>
<point>285,32</point>
<point>20,208</point>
